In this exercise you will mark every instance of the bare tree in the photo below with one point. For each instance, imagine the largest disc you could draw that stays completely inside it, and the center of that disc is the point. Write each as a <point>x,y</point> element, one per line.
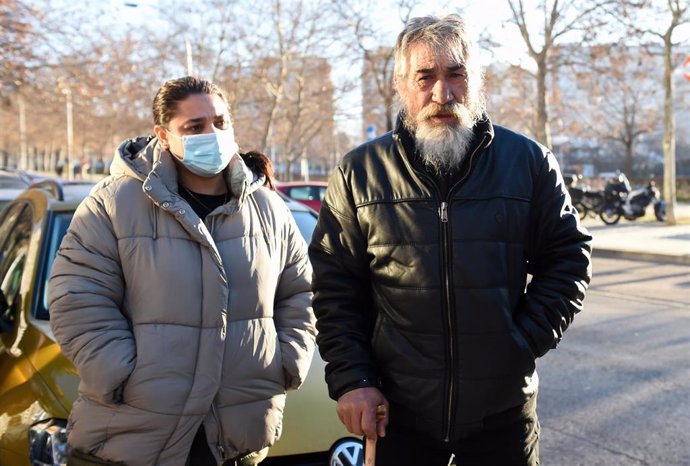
<point>507,88</point>
<point>378,59</point>
<point>610,96</point>
<point>627,97</point>
<point>560,20</point>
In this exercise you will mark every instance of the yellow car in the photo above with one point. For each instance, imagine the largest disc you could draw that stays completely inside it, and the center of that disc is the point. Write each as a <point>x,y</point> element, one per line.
<point>38,384</point>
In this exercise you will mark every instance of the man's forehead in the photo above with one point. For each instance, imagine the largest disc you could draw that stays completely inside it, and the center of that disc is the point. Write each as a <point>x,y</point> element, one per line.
<point>422,57</point>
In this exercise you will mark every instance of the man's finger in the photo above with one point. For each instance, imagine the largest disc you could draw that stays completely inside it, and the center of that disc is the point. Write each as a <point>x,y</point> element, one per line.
<point>369,422</point>
<point>381,419</point>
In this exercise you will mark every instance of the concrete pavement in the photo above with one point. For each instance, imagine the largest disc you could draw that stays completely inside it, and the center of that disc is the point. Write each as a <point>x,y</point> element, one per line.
<point>644,239</point>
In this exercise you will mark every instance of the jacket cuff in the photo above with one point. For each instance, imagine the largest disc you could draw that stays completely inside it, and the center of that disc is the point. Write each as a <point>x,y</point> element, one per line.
<point>362,383</point>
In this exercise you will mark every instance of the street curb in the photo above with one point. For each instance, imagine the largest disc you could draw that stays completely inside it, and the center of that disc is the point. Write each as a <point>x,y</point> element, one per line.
<point>641,256</point>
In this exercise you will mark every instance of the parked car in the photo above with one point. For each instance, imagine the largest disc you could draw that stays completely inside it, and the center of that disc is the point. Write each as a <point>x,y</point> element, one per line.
<point>12,184</point>
<point>310,193</point>
<point>38,384</point>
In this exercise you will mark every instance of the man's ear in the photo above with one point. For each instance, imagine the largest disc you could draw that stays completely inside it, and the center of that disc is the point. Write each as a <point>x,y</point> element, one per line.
<point>162,136</point>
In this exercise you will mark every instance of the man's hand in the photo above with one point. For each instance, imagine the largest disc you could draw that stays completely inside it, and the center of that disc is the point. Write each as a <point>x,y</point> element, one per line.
<point>357,409</point>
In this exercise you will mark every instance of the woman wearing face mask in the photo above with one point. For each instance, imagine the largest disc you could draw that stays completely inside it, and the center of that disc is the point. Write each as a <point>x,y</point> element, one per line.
<point>181,293</point>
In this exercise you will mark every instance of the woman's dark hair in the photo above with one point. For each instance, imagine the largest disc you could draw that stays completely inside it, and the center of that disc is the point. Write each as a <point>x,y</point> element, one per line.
<point>176,90</point>
<point>260,164</point>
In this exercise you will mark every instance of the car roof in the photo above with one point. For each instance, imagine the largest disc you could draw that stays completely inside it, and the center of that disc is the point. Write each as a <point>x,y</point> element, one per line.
<point>58,194</point>
<point>66,195</point>
<point>301,183</point>
<point>15,179</point>
<point>8,194</point>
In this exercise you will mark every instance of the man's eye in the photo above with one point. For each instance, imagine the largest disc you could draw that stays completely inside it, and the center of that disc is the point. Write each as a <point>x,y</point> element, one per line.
<point>222,124</point>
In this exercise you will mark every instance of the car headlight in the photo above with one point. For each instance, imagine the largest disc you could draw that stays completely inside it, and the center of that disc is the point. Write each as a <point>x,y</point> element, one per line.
<point>48,443</point>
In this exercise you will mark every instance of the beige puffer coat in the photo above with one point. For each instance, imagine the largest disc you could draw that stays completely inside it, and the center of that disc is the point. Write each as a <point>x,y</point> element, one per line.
<point>172,322</point>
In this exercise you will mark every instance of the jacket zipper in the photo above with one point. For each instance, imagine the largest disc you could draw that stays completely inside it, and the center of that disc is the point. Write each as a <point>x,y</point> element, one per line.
<point>446,258</point>
<point>219,439</point>
<point>449,315</point>
<point>448,295</point>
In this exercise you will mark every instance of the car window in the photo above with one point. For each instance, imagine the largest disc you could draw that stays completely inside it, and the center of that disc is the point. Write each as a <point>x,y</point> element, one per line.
<point>301,193</point>
<point>321,192</point>
<point>58,224</point>
<point>306,222</point>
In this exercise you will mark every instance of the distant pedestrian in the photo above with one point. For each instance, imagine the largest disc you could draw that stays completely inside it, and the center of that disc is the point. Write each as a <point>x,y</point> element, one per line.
<point>59,167</point>
<point>181,293</point>
<point>421,258</point>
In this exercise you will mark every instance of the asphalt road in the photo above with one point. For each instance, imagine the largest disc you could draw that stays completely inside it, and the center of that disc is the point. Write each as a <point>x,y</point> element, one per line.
<point>616,391</point>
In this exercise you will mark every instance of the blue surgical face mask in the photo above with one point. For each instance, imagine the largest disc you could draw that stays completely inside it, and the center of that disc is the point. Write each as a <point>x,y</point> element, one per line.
<point>208,154</point>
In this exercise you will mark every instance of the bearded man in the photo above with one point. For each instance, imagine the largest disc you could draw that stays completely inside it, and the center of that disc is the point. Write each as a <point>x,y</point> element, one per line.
<point>421,255</point>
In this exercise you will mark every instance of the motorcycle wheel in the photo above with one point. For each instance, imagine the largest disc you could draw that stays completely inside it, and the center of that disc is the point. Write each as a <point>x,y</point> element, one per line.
<point>610,215</point>
<point>581,210</point>
<point>660,211</point>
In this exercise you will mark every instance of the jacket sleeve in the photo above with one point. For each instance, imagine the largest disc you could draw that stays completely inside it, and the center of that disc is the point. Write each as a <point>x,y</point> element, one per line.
<point>559,260</point>
<point>293,316</point>
<point>338,252</point>
<point>85,294</point>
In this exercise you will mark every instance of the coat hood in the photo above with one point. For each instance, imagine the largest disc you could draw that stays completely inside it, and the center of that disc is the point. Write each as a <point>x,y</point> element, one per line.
<point>144,159</point>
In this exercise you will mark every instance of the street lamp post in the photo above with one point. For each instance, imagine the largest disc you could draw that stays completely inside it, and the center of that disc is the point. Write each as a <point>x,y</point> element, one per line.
<point>70,133</point>
<point>190,63</point>
<point>23,156</point>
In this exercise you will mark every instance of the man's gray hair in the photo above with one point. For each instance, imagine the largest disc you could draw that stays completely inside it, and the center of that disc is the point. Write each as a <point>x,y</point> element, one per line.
<point>444,35</point>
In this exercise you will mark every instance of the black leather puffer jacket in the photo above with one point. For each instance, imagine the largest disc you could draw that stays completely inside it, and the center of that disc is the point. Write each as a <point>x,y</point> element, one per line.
<point>427,293</point>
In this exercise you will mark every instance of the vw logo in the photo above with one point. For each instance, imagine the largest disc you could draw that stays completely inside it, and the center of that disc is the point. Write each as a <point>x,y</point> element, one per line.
<point>347,452</point>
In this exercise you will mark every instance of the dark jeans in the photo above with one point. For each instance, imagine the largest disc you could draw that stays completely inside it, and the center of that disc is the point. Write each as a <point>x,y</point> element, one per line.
<point>515,443</point>
<point>200,453</point>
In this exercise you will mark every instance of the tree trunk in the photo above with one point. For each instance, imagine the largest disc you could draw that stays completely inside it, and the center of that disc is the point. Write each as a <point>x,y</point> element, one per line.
<point>629,158</point>
<point>669,140</point>
<point>543,132</point>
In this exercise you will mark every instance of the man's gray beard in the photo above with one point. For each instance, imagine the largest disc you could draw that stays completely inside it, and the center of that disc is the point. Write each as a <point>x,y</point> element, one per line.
<point>443,147</point>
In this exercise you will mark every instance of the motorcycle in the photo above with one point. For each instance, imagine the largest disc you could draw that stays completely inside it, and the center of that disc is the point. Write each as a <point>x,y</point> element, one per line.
<point>586,200</point>
<point>622,201</point>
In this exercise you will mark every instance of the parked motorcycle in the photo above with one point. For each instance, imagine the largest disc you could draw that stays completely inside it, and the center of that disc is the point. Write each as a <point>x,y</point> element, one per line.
<point>586,200</point>
<point>622,201</point>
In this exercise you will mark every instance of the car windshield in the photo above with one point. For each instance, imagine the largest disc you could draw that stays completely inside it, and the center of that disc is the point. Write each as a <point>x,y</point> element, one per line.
<point>306,222</point>
<point>58,227</point>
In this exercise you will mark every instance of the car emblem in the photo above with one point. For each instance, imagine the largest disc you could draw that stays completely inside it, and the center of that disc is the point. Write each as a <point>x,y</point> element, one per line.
<point>347,452</point>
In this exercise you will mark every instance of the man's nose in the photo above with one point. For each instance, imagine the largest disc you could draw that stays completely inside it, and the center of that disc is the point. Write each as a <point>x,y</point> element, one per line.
<point>441,92</point>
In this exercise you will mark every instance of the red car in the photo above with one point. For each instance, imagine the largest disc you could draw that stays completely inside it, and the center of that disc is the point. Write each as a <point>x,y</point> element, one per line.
<point>310,193</point>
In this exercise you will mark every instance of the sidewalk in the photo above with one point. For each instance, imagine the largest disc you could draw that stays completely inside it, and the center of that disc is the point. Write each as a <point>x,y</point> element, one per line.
<point>643,239</point>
